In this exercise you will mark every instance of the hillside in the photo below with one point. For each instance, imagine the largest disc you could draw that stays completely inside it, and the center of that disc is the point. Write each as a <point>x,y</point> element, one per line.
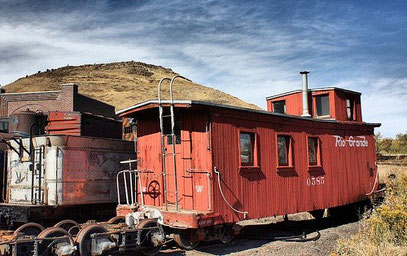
<point>121,84</point>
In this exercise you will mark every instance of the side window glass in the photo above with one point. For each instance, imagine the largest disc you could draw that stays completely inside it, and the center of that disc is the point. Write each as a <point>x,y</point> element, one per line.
<point>246,148</point>
<point>322,102</point>
<point>279,107</point>
<point>284,150</point>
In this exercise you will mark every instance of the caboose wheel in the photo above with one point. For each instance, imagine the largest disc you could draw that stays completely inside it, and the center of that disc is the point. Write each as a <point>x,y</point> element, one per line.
<point>74,230</point>
<point>228,234</point>
<point>117,220</point>
<point>54,232</point>
<point>67,224</point>
<point>187,239</point>
<point>28,229</point>
<point>318,214</point>
<point>151,239</point>
<point>84,240</point>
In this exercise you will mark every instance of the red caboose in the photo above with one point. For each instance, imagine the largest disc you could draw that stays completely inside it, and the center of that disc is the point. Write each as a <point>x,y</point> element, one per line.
<point>222,164</point>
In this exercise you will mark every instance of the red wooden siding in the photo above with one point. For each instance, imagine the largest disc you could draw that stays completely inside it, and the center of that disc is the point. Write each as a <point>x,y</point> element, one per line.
<point>293,104</point>
<point>267,190</point>
<point>193,160</point>
<point>340,106</point>
<point>264,189</point>
<point>337,103</point>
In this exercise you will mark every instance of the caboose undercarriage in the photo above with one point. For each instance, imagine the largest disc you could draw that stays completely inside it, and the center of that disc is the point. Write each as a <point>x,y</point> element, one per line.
<point>69,238</point>
<point>17,214</point>
<point>140,231</point>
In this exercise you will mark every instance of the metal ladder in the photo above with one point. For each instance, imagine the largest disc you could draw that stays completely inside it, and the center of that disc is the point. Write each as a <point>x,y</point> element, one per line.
<point>38,173</point>
<point>163,135</point>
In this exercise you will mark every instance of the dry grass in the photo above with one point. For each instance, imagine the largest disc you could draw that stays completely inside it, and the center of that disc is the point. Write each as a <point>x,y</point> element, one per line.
<point>386,172</point>
<point>121,84</point>
<point>384,230</point>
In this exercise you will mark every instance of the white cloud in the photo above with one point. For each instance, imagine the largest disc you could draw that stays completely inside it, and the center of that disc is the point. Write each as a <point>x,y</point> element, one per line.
<point>250,51</point>
<point>384,101</point>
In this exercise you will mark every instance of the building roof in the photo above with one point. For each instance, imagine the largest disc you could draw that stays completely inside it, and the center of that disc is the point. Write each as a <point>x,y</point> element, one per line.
<point>211,104</point>
<point>312,90</point>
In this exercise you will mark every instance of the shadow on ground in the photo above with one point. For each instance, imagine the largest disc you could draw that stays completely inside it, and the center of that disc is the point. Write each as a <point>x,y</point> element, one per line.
<point>258,235</point>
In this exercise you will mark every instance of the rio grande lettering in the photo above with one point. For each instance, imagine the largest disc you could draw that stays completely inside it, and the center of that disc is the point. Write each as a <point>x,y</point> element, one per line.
<point>358,141</point>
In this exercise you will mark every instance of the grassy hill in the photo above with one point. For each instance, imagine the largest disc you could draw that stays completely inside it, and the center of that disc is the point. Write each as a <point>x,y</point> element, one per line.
<point>121,84</point>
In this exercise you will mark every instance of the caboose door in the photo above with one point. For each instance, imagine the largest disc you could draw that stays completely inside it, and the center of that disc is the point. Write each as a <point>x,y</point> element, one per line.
<point>192,185</point>
<point>172,162</point>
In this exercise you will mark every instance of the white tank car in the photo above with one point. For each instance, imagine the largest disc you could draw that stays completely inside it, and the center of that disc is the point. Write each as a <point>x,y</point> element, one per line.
<point>63,177</point>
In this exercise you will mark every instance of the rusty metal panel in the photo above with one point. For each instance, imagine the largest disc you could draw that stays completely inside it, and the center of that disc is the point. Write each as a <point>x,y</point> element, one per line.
<point>25,122</point>
<point>64,123</point>
<point>82,124</point>
<point>77,170</point>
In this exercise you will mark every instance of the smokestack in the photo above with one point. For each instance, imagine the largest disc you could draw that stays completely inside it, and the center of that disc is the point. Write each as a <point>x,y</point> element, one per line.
<point>305,111</point>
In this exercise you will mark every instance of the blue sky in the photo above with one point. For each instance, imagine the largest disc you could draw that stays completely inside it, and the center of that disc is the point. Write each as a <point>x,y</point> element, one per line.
<point>250,49</point>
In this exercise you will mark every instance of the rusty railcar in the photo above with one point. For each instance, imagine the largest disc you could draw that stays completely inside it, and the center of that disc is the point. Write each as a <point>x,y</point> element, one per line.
<point>53,177</point>
<point>82,124</point>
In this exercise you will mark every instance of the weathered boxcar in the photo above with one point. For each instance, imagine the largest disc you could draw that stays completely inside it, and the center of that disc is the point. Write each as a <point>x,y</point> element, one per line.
<point>233,163</point>
<point>53,177</point>
<point>82,124</point>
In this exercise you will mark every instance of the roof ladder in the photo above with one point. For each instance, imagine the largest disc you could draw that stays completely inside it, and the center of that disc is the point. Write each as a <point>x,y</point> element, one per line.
<point>163,135</point>
<point>38,175</point>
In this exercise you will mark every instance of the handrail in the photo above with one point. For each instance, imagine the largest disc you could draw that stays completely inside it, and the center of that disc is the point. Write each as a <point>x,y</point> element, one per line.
<point>130,200</point>
<point>174,140</point>
<point>160,111</point>
<point>128,161</point>
<point>159,88</point>
<point>374,183</point>
<point>223,196</point>
<point>199,171</point>
<point>209,175</point>
<point>125,185</point>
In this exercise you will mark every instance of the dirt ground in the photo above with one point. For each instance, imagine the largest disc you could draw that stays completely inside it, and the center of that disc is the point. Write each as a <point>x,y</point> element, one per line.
<point>269,236</point>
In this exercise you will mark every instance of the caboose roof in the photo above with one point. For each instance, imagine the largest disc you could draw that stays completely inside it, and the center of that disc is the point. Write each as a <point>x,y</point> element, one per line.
<point>189,103</point>
<point>312,90</point>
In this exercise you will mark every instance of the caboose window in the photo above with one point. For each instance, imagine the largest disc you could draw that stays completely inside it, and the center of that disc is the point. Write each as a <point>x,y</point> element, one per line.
<point>313,151</point>
<point>349,109</point>
<point>279,107</point>
<point>283,148</point>
<point>167,131</point>
<point>246,148</point>
<point>322,102</point>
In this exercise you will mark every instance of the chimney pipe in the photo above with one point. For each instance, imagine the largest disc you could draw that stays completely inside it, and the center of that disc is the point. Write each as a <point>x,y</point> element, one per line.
<point>305,111</point>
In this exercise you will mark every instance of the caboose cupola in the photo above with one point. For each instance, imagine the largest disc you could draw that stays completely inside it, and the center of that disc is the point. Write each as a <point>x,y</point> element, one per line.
<point>320,103</point>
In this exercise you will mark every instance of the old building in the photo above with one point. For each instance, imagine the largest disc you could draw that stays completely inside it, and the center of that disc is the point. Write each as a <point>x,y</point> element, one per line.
<point>66,100</point>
